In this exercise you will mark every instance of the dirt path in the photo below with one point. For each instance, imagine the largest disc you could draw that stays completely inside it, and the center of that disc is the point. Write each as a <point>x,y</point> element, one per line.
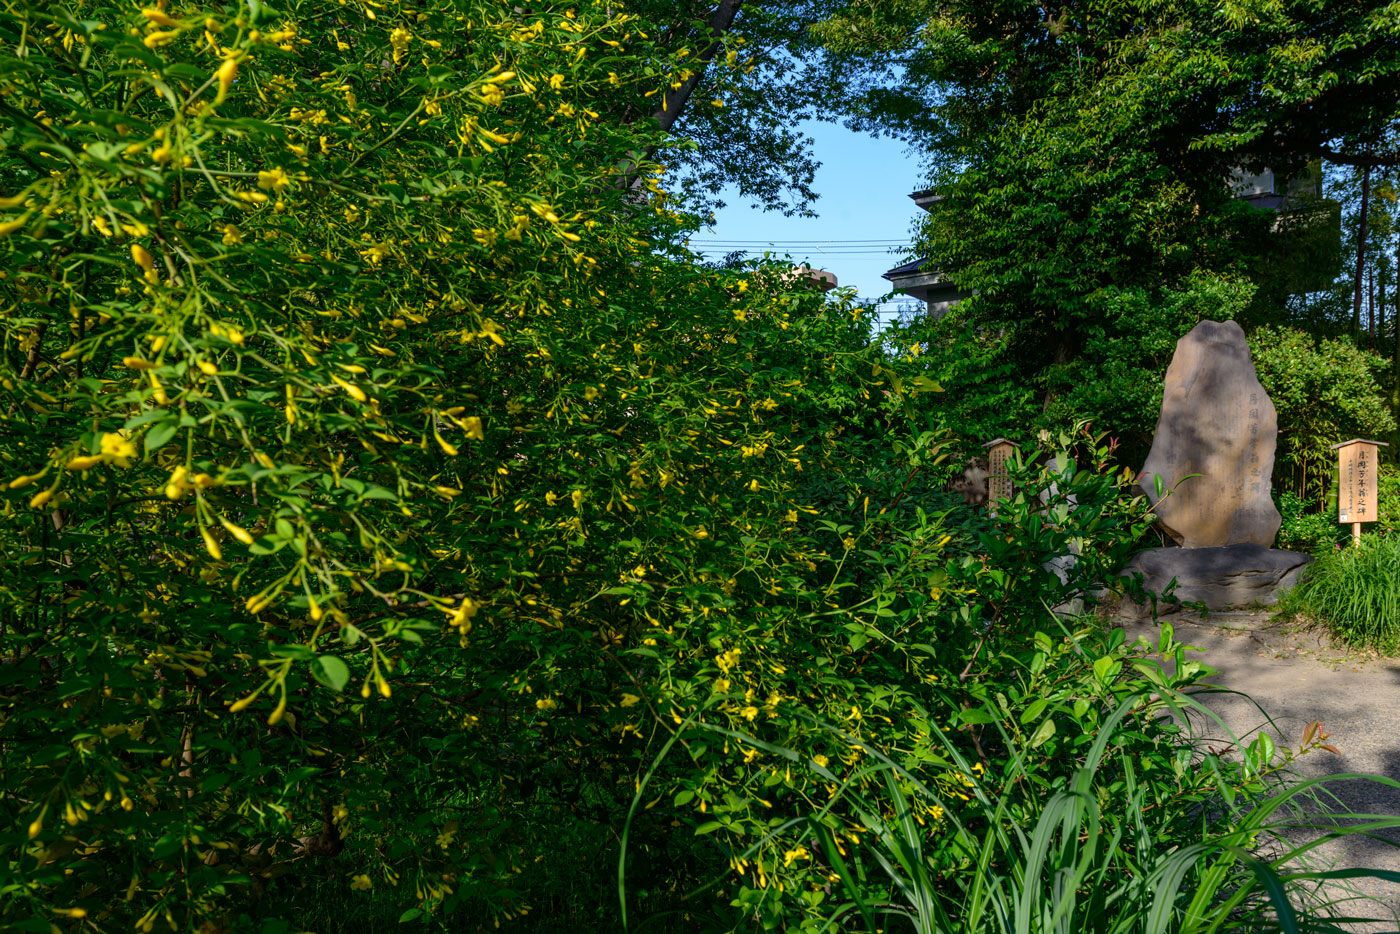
<point>1298,676</point>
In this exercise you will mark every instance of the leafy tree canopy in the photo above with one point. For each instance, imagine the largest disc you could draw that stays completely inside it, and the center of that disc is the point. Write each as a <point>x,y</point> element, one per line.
<point>1083,153</point>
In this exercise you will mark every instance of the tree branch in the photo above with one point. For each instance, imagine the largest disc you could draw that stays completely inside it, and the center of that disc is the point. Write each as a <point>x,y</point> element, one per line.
<point>673,104</point>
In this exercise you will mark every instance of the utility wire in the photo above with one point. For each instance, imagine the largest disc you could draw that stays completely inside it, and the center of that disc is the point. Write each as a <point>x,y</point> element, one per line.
<point>834,240</point>
<point>853,251</point>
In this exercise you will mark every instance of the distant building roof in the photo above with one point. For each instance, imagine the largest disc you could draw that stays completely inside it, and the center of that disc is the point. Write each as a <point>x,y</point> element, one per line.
<point>925,198</point>
<point>906,269</point>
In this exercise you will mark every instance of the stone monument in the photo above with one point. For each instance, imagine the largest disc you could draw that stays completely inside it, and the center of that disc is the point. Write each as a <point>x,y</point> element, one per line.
<point>1212,458</point>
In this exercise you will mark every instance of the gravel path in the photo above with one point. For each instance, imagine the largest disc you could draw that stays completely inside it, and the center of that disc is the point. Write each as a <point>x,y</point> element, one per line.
<point>1298,676</point>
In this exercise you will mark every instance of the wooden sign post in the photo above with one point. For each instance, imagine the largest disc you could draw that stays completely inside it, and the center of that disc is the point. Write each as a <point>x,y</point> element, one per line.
<point>1357,500</point>
<point>998,475</point>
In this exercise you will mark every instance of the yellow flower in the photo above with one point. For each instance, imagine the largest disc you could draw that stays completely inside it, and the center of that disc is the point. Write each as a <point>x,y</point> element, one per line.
<point>472,424</point>
<point>577,497</point>
<point>462,616</point>
<point>237,531</point>
<point>399,39</point>
<point>749,713</point>
<point>117,449</point>
<point>361,883</point>
<point>628,700</point>
<point>821,760</point>
<point>142,257</point>
<point>159,18</point>
<point>545,703</point>
<point>177,486</point>
<point>274,180</point>
<point>159,38</point>
<point>225,75</point>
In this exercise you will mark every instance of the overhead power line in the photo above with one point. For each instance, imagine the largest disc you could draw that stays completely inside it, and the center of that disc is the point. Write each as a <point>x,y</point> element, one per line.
<point>726,240</point>
<point>881,253</point>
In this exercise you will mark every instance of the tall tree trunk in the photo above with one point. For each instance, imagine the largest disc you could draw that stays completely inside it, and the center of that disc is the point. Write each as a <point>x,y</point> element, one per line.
<point>1360,254</point>
<point>1395,360</point>
<point>1378,339</point>
<point>1371,309</point>
<point>1395,349</point>
<point>675,100</point>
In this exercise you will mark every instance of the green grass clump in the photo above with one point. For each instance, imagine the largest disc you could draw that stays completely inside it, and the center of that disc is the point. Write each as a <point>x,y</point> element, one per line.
<point>1356,593</point>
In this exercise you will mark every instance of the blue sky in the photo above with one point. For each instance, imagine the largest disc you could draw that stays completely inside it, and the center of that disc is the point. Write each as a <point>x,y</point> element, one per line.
<point>864,185</point>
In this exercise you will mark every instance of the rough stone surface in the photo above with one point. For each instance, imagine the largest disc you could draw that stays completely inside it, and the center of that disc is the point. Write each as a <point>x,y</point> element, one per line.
<point>1226,577</point>
<point>1217,422</point>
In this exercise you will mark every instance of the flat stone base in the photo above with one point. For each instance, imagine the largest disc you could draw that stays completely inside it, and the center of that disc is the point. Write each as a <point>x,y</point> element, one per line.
<point>1225,577</point>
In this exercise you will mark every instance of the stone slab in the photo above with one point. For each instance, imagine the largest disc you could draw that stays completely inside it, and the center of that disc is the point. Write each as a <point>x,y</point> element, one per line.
<point>1226,577</point>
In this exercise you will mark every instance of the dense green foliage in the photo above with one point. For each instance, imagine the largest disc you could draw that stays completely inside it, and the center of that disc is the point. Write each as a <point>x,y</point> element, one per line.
<point>1085,154</point>
<point>1355,591</point>
<point>338,368</point>
<point>1307,529</point>
<point>395,517</point>
<point>1326,392</point>
<point>1118,848</point>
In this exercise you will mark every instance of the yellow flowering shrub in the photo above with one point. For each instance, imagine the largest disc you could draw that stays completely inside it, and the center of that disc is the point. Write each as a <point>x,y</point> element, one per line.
<point>360,429</point>
<point>385,486</point>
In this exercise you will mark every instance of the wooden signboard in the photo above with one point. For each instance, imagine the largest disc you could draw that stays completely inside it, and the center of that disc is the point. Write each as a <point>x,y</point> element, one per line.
<point>998,476</point>
<point>1357,499</point>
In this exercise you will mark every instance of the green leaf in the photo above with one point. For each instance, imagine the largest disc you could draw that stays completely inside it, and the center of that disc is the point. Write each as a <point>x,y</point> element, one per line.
<point>1107,668</point>
<point>975,715</point>
<point>159,434</point>
<point>1046,730</point>
<point>1034,711</point>
<point>331,671</point>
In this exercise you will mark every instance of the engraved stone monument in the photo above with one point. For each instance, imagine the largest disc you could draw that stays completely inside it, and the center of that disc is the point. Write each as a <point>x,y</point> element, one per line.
<point>1214,446</point>
<point>1212,458</point>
